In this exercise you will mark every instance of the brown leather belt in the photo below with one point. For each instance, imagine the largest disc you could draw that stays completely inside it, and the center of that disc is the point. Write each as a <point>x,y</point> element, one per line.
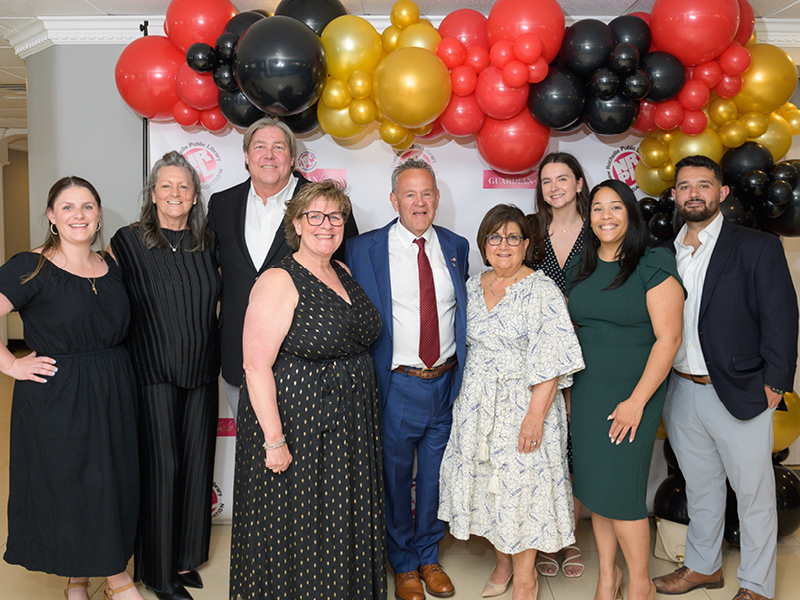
<point>701,379</point>
<point>428,373</point>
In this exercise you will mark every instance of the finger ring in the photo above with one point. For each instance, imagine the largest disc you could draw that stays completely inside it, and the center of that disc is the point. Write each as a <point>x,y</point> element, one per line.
<point>535,443</point>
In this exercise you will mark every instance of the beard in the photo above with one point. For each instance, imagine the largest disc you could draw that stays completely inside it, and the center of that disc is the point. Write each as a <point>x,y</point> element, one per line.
<point>697,215</point>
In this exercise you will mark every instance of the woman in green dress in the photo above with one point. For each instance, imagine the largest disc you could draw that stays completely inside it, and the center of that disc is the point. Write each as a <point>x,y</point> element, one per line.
<point>627,302</point>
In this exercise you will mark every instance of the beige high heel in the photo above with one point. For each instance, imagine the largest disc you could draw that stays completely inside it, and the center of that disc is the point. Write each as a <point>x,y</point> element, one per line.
<point>491,589</point>
<point>108,593</point>
<point>75,585</point>
<point>618,583</point>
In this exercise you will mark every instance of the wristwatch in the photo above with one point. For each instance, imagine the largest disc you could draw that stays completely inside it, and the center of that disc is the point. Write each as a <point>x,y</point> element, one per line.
<point>776,390</point>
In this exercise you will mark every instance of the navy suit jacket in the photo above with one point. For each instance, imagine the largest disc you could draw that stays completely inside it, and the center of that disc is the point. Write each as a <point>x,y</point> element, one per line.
<point>368,258</point>
<point>748,319</point>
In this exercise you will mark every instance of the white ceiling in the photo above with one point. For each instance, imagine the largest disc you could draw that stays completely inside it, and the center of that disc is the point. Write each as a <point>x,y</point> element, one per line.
<point>15,14</point>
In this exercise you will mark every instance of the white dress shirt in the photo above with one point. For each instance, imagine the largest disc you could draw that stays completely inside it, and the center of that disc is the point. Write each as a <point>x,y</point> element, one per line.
<point>692,267</point>
<point>261,221</point>
<point>404,276</point>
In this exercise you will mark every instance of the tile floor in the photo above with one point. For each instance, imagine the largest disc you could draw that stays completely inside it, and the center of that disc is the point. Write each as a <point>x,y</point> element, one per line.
<point>468,563</point>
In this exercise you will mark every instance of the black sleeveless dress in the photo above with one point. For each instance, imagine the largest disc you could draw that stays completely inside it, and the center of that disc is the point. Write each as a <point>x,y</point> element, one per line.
<point>317,529</point>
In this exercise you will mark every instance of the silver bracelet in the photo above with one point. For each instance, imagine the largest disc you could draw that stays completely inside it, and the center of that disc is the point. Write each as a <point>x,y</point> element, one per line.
<point>278,444</point>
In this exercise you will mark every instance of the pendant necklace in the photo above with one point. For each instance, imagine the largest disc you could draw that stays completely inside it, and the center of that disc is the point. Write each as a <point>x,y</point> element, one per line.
<point>176,246</point>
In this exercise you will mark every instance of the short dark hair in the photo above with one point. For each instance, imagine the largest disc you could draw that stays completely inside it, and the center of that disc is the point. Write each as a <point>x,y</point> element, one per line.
<point>329,189</point>
<point>702,162</point>
<point>495,219</point>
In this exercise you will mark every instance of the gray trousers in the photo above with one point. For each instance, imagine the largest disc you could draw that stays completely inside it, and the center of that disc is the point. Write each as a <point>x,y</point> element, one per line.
<point>232,393</point>
<point>711,444</point>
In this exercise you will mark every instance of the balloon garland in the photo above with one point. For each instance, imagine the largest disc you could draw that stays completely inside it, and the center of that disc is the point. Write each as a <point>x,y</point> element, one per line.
<point>689,76</point>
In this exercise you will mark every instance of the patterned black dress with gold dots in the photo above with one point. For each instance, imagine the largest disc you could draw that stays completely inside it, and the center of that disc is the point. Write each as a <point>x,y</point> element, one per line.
<point>317,529</point>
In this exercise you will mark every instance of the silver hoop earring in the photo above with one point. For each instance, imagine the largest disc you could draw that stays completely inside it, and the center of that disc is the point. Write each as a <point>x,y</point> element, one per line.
<point>53,229</point>
<point>99,225</point>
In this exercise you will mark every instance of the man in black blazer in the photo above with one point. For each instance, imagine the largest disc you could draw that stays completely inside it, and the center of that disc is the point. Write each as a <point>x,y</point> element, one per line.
<point>247,220</point>
<point>737,357</point>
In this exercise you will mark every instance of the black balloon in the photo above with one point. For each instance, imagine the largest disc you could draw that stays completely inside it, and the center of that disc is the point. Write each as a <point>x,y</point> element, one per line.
<point>735,211</point>
<point>770,210</point>
<point>785,171</point>
<point>753,184</point>
<point>780,456</point>
<point>632,30</point>
<point>262,11</point>
<point>557,101</point>
<point>779,193</point>
<point>224,78</point>
<point>669,456</point>
<point>586,46</point>
<point>648,208</point>
<point>303,122</point>
<point>242,22</point>
<point>612,116</point>
<point>226,46</point>
<point>202,58</point>
<point>624,58</point>
<point>661,226</point>
<point>789,222</point>
<point>280,65</point>
<point>666,73</point>
<point>314,13</point>
<point>750,156</point>
<point>731,533</point>
<point>636,86</point>
<point>787,489</point>
<point>238,109</point>
<point>670,500</point>
<point>666,203</point>
<point>604,83</point>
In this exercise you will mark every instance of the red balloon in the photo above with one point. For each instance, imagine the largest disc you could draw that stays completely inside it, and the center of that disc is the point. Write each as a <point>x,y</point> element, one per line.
<point>184,114</point>
<point>515,74</point>
<point>477,58</point>
<point>198,90</point>
<point>145,76</point>
<point>509,19</point>
<point>528,48</point>
<point>467,25</point>
<point>513,145</point>
<point>462,117</point>
<point>747,23</point>
<point>728,86</point>
<point>191,21</point>
<point>495,98</point>
<point>709,73</point>
<point>735,60</point>
<point>694,122</point>
<point>642,15</point>
<point>668,114</point>
<point>694,95</point>
<point>538,70</point>
<point>501,53</point>
<point>463,80</point>
<point>452,52</point>
<point>695,31</point>
<point>645,122</point>
<point>213,119</point>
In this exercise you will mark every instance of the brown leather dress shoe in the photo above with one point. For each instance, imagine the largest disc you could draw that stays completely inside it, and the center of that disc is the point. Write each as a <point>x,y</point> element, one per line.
<point>407,586</point>
<point>745,594</point>
<point>436,581</point>
<point>685,580</point>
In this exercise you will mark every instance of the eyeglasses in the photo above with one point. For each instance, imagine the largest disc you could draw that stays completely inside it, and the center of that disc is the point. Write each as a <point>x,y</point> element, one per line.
<point>495,239</point>
<point>316,217</point>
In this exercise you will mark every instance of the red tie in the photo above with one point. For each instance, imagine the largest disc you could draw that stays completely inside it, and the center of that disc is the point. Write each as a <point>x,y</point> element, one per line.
<point>428,315</point>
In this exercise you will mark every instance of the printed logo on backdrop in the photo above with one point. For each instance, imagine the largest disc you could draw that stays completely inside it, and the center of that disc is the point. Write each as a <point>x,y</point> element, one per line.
<point>492,180</point>
<point>622,164</point>
<point>217,505</point>
<point>226,428</point>
<point>307,163</point>
<point>415,151</point>
<point>206,159</point>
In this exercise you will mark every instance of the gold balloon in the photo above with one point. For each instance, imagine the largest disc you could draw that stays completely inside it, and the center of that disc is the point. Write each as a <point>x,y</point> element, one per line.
<point>418,35</point>
<point>661,433</point>
<point>389,38</point>
<point>755,122</point>
<point>360,84</point>
<point>653,152</point>
<point>336,95</point>
<point>793,119</point>
<point>363,111</point>
<point>722,110</point>
<point>337,123</point>
<point>753,39</point>
<point>424,130</point>
<point>786,424</point>
<point>704,144</point>
<point>406,143</point>
<point>786,108</point>
<point>351,44</point>
<point>778,137</point>
<point>404,13</point>
<point>667,172</point>
<point>412,87</point>
<point>733,134</point>
<point>648,180</point>
<point>392,134</point>
<point>769,82</point>
<point>665,137</point>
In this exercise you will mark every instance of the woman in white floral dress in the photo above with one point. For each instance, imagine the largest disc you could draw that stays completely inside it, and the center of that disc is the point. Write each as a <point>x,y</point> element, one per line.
<point>504,474</point>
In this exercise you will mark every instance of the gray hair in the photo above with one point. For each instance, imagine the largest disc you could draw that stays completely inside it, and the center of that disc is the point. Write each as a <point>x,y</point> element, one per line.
<point>412,163</point>
<point>263,123</point>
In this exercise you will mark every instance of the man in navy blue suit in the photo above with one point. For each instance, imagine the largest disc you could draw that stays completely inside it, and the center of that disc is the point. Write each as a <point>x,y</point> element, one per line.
<point>737,357</point>
<point>415,273</point>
